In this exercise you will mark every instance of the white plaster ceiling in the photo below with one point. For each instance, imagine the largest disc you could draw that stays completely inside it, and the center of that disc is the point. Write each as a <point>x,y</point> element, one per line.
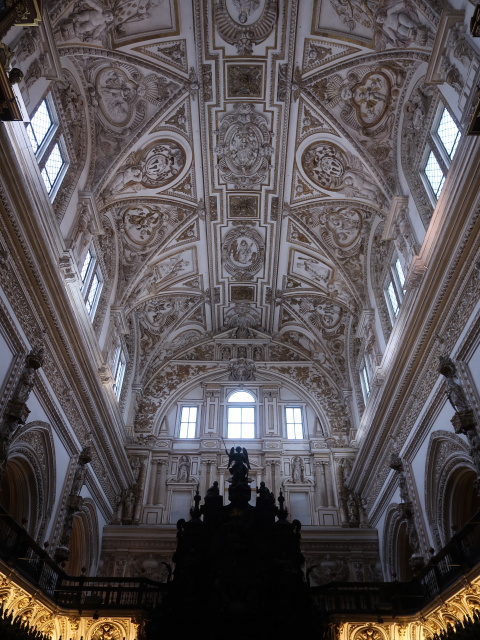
<point>244,151</point>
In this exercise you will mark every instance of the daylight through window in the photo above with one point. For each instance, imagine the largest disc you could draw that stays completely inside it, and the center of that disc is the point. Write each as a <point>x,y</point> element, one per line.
<point>241,416</point>
<point>395,287</point>
<point>443,143</point>
<point>91,282</point>
<point>188,422</point>
<point>119,364</point>
<point>294,422</point>
<point>48,146</point>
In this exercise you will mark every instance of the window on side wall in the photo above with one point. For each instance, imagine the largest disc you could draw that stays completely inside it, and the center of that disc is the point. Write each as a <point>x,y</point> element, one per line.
<point>441,147</point>
<point>92,281</point>
<point>294,423</point>
<point>394,288</point>
<point>188,422</point>
<point>119,365</point>
<point>48,145</point>
<point>240,415</point>
<point>365,377</point>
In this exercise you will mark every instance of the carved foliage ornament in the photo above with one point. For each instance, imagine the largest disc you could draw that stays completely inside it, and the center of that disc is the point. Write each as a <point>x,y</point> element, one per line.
<point>243,252</point>
<point>244,148</point>
<point>245,23</point>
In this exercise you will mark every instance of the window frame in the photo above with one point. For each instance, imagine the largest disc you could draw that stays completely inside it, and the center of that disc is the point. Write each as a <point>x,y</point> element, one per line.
<point>118,370</point>
<point>51,139</point>
<point>241,405</point>
<point>366,379</point>
<point>181,409</point>
<point>436,146</point>
<point>393,279</point>
<point>302,424</point>
<point>93,270</point>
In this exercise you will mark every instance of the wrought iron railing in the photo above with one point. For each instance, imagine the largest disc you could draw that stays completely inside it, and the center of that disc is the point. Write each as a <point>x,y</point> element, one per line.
<point>458,557</point>
<point>23,554</point>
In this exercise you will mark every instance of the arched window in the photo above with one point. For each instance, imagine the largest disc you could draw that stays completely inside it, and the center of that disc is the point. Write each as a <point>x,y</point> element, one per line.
<point>240,415</point>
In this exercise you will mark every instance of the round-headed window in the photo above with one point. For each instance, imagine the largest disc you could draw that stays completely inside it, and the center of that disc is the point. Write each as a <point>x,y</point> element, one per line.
<point>240,415</point>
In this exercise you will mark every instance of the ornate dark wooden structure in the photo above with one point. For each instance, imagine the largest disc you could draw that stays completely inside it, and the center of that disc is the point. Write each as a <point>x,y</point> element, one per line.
<point>237,566</point>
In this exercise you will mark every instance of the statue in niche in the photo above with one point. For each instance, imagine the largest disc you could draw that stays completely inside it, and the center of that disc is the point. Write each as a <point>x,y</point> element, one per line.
<point>298,474</point>
<point>128,504</point>
<point>225,353</point>
<point>242,352</point>
<point>346,466</point>
<point>183,474</point>
<point>352,507</point>
<point>258,354</point>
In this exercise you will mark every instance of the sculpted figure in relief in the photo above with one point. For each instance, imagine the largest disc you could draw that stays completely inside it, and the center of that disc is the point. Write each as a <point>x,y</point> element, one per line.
<point>245,8</point>
<point>88,21</point>
<point>399,24</point>
<point>133,11</point>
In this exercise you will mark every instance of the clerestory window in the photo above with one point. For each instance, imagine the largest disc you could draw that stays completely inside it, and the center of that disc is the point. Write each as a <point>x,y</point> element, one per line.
<point>119,365</point>
<point>394,288</point>
<point>92,281</point>
<point>240,415</point>
<point>48,145</point>
<point>365,379</point>
<point>442,145</point>
<point>188,422</point>
<point>294,423</point>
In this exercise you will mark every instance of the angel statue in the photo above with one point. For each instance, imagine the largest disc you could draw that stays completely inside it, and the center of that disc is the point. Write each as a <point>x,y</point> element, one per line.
<point>238,463</point>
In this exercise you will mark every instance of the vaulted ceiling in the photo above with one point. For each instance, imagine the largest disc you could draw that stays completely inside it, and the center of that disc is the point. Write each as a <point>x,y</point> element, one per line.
<point>242,154</point>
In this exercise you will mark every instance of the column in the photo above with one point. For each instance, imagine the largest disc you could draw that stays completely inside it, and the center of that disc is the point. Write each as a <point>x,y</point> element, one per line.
<point>151,481</point>
<point>139,491</point>
<point>161,483</point>
<point>268,475</point>
<point>320,487</point>
<point>329,484</point>
<point>204,470</point>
